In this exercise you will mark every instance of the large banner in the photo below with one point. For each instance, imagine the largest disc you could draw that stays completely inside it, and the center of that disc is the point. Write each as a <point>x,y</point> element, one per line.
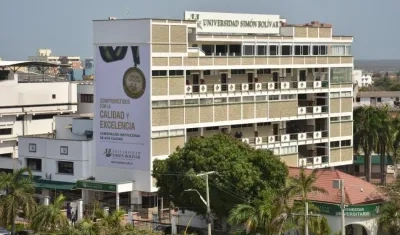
<point>122,113</point>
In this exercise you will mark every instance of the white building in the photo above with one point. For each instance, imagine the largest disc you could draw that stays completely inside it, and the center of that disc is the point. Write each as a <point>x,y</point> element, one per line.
<point>29,104</point>
<point>362,79</point>
<point>45,55</point>
<point>378,98</point>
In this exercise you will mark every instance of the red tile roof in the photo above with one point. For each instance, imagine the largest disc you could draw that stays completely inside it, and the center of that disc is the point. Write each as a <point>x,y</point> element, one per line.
<point>358,191</point>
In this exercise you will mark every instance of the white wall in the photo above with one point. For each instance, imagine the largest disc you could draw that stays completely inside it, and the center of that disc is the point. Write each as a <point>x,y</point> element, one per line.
<point>79,126</point>
<point>85,108</point>
<point>114,31</point>
<point>79,152</point>
<point>362,79</point>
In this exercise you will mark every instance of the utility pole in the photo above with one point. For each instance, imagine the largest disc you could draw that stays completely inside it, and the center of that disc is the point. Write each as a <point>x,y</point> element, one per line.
<point>306,217</point>
<point>208,200</point>
<point>342,206</point>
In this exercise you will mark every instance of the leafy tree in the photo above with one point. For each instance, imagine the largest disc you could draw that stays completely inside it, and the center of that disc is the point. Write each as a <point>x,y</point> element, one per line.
<point>19,190</point>
<point>389,217</point>
<point>320,226</point>
<point>243,173</point>
<point>270,216</point>
<point>51,217</point>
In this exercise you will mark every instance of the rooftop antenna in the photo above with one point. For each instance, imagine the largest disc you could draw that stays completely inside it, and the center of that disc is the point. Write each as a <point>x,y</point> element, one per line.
<point>128,11</point>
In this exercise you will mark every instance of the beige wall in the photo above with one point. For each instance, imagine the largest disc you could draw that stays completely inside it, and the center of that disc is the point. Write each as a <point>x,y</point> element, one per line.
<point>335,155</point>
<point>347,104</point>
<point>338,129</point>
<point>290,160</point>
<point>334,106</point>
<point>279,109</point>
<point>159,86</point>
<point>169,38</point>
<point>167,145</point>
<point>335,129</point>
<point>160,116</point>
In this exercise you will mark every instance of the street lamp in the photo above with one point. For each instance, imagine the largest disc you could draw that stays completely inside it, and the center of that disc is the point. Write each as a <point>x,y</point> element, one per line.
<point>207,201</point>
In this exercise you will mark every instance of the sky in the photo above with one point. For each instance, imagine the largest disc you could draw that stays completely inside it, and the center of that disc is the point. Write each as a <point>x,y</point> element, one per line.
<point>65,27</point>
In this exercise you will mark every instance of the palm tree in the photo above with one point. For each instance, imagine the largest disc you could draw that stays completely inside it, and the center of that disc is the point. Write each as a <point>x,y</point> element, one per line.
<point>390,217</point>
<point>51,217</point>
<point>110,221</point>
<point>301,186</point>
<point>394,143</point>
<point>19,190</point>
<point>320,226</point>
<point>368,124</point>
<point>267,216</point>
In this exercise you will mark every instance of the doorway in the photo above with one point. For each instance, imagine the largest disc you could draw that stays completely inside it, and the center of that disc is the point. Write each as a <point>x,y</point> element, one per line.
<point>224,79</point>
<point>303,75</point>
<point>250,79</point>
<point>196,83</point>
<point>275,79</point>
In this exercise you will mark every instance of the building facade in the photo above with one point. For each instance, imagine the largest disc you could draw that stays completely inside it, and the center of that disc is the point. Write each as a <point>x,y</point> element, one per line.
<point>362,79</point>
<point>277,86</point>
<point>45,55</point>
<point>30,105</point>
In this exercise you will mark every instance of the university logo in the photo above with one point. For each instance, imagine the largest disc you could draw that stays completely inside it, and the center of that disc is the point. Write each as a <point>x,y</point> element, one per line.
<point>133,81</point>
<point>107,152</point>
<point>196,17</point>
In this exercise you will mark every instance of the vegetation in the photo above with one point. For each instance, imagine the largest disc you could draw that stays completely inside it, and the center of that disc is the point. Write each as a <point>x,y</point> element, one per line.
<point>244,173</point>
<point>19,188</point>
<point>373,132</point>
<point>383,84</point>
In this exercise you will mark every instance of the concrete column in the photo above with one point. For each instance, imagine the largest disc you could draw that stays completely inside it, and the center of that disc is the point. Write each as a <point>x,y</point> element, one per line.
<point>130,217</point>
<point>155,220</point>
<point>174,223</point>
<point>117,201</point>
<point>80,210</point>
<point>46,200</point>
<point>106,210</point>
<point>135,199</point>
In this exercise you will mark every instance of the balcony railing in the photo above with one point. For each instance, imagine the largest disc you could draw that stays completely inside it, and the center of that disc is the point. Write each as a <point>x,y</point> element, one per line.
<point>258,86</point>
<point>307,110</point>
<point>312,161</point>
<point>272,139</point>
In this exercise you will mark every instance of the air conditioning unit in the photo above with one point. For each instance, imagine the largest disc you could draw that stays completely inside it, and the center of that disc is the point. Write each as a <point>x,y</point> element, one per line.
<point>245,86</point>
<point>271,139</point>
<point>231,87</point>
<point>203,88</point>
<point>271,86</point>
<point>217,88</point>
<point>317,160</point>
<point>189,89</point>
<point>258,140</point>
<point>302,162</point>
<point>245,140</point>
<point>258,86</point>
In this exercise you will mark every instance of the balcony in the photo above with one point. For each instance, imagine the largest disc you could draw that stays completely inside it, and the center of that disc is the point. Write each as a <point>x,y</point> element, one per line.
<point>254,61</point>
<point>310,110</point>
<point>286,138</point>
<point>313,161</point>
<point>258,87</point>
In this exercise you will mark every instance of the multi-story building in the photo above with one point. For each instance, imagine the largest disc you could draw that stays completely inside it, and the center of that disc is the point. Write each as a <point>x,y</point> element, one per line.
<point>362,79</point>
<point>29,104</point>
<point>274,85</point>
<point>45,55</point>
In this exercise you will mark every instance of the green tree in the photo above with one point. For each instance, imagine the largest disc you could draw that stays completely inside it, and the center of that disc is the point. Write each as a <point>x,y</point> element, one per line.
<point>19,190</point>
<point>320,226</point>
<point>301,186</point>
<point>394,143</point>
<point>242,173</point>
<point>270,216</point>
<point>51,217</point>
<point>369,122</point>
<point>389,218</point>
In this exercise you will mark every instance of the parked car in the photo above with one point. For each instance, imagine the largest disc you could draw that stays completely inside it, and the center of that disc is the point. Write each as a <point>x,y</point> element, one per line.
<point>4,231</point>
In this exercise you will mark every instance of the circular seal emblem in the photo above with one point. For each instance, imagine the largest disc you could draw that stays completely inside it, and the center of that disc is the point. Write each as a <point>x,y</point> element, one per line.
<point>134,83</point>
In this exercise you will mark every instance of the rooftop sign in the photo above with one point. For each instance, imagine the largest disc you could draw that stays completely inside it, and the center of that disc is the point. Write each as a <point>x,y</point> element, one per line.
<point>370,210</point>
<point>230,23</point>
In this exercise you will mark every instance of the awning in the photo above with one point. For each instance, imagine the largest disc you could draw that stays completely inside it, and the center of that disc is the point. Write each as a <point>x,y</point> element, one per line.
<point>375,160</point>
<point>54,185</point>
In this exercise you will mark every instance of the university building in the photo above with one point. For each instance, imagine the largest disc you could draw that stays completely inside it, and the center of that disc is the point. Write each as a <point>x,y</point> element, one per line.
<point>274,85</point>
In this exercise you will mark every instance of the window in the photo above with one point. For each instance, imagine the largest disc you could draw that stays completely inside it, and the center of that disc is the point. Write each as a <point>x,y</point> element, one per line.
<point>176,102</point>
<point>379,99</point>
<point>320,50</point>
<point>158,134</point>
<point>42,116</point>
<point>234,99</point>
<point>301,50</point>
<point>335,144</point>
<point>248,99</point>
<point>32,148</point>
<point>149,201</point>
<point>8,155</point>
<point>192,130</point>
<point>64,150</point>
<point>53,96</point>
<point>86,98</point>
<point>158,73</point>
<point>345,143</point>
<point>19,118</point>
<point>348,50</point>
<point>176,73</point>
<point>273,50</point>
<point>176,132</point>
<point>273,97</point>
<point>338,50</point>
<point>286,50</point>
<point>219,100</point>
<point>346,118</point>
<point>262,50</point>
<point>264,71</point>
<point>288,97</point>
<point>261,98</point>
<point>207,72</point>
<point>358,99</point>
<point>191,102</point>
<point>65,167</point>
<point>238,71</point>
<point>341,75</point>
<point>288,150</point>
<point>334,119</point>
<point>161,103</point>
<point>34,164</point>
<point>335,94</point>
<point>4,75</point>
<point>288,71</point>
<point>206,101</point>
<point>346,94</point>
<point>6,131</point>
<point>248,50</point>
<point>213,128</point>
